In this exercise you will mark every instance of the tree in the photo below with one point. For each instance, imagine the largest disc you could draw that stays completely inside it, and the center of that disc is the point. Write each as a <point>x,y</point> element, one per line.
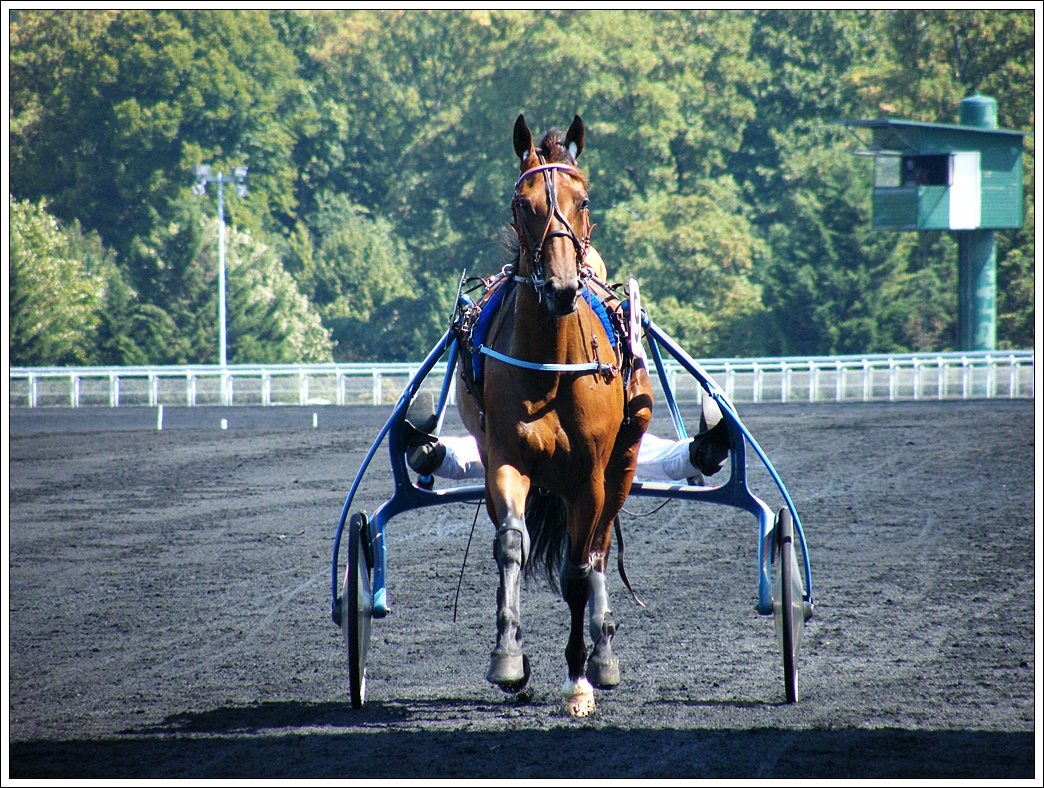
<point>381,165</point>
<point>269,319</point>
<point>359,276</point>
<point>111,111</point>
<point>54,299</point>
<point>434,95</point>
<point>694,255</point>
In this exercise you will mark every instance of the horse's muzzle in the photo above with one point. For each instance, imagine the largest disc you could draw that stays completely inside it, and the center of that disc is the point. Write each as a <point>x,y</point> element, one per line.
<point>560,297</point>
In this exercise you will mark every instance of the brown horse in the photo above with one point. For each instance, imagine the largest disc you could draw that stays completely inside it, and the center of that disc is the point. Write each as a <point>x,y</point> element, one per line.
<point>560,409</point>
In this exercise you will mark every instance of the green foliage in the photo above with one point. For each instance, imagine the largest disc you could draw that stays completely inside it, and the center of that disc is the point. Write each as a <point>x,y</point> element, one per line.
<point>269,319</point>
<point>54,299</point>
<point>357,273</point>
<point>695,253</point>
<point>380,166</point>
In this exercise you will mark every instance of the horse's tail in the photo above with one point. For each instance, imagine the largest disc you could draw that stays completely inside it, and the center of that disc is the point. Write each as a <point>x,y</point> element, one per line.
<point>547,523</point>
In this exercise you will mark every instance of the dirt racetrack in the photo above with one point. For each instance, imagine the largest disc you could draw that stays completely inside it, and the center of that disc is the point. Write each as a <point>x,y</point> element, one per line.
<point>170,612</point>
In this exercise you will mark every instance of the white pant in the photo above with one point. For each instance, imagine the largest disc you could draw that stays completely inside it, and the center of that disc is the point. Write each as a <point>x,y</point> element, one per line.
<point>659,459</point>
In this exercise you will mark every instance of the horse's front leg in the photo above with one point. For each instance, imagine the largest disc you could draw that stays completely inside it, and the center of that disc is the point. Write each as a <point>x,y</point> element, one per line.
<point>508,666</point>
<point>579,578</point>
<point>577,693</point>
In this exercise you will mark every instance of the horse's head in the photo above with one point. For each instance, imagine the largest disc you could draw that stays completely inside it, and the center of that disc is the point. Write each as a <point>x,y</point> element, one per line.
<point>551,216</point>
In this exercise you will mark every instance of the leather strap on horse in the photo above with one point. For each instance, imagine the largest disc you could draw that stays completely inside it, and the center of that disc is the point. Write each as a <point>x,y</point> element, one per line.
<point>620,561</point>
<point>607,371</point>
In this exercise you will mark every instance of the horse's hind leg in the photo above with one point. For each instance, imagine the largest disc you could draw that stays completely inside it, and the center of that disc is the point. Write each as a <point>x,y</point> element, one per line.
<point>603,668</point>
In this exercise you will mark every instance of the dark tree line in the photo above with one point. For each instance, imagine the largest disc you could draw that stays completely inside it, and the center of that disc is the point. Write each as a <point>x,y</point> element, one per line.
<point>380,166</point>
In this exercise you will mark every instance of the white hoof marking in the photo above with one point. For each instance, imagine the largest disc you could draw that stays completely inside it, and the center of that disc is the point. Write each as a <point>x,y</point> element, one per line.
<point>578,697</point>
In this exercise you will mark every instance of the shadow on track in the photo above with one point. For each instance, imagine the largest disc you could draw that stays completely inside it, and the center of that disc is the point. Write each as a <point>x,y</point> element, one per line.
<point>331,740</point>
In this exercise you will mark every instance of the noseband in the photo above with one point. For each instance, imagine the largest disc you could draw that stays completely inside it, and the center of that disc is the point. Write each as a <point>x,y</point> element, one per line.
<point>537,279</point>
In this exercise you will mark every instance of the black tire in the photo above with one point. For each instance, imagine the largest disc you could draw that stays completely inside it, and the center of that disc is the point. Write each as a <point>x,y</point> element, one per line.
<point>357,607</point>
<point>788,605</point>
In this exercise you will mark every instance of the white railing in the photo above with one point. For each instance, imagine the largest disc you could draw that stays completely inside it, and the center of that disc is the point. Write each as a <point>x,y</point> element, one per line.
<point>915,376</point>
<point>994,374</point>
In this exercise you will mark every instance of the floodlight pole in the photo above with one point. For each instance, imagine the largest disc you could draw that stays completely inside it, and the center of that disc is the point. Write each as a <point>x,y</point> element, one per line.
<point>238,177</point>
<point>222,336</point>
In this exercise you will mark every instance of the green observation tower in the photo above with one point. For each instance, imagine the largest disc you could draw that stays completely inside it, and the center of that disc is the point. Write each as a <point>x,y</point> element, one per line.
<point>964,178</point>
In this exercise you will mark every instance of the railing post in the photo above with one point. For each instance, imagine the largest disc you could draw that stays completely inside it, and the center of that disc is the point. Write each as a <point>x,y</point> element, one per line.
<point>74,391</point>
<point>813,381</point>
<point>784,381</point>
<point>916,379</point>
<point>866,380</point>
<point>302,388</point>
<point>839,382</point>
<point>376,387</point>
<point>1013,377</point>
<point>964,377</point>
<point>891,380</point>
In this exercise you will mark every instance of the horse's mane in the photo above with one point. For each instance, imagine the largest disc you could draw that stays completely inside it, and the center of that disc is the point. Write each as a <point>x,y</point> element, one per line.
<point>507,240</point>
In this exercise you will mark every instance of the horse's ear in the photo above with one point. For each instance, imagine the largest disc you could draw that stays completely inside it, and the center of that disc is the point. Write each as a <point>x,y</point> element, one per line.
<point>574,140</point>
<point>523,138</point>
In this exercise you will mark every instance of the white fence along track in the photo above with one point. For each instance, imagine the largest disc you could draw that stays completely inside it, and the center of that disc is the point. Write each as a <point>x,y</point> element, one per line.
<point>993,374</point>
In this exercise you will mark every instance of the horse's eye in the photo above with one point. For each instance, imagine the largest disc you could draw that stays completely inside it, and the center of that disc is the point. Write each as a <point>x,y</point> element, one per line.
<point>584,203</point>
<point>525,206</point>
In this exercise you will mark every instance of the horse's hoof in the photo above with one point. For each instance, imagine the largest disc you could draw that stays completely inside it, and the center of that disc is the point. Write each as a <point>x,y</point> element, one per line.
<point>604,675</point>
<point>578,697</point>
<point>510,672</point>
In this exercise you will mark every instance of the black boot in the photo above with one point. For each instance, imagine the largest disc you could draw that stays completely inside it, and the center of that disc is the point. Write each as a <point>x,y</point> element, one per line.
<point>710,448</point>
<point>426,458</point>
<point>421,420</point>
<point>424,453</point>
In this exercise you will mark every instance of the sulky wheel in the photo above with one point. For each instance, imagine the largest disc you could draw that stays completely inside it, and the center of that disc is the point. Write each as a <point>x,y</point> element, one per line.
<point>357,606</point>
<point>788,604</point>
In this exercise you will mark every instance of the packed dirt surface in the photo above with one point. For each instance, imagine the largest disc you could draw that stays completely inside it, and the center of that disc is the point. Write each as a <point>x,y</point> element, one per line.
<point>170,609</point>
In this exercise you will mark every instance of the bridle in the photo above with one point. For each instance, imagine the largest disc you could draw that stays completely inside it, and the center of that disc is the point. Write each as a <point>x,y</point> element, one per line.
<point>580,243</point>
